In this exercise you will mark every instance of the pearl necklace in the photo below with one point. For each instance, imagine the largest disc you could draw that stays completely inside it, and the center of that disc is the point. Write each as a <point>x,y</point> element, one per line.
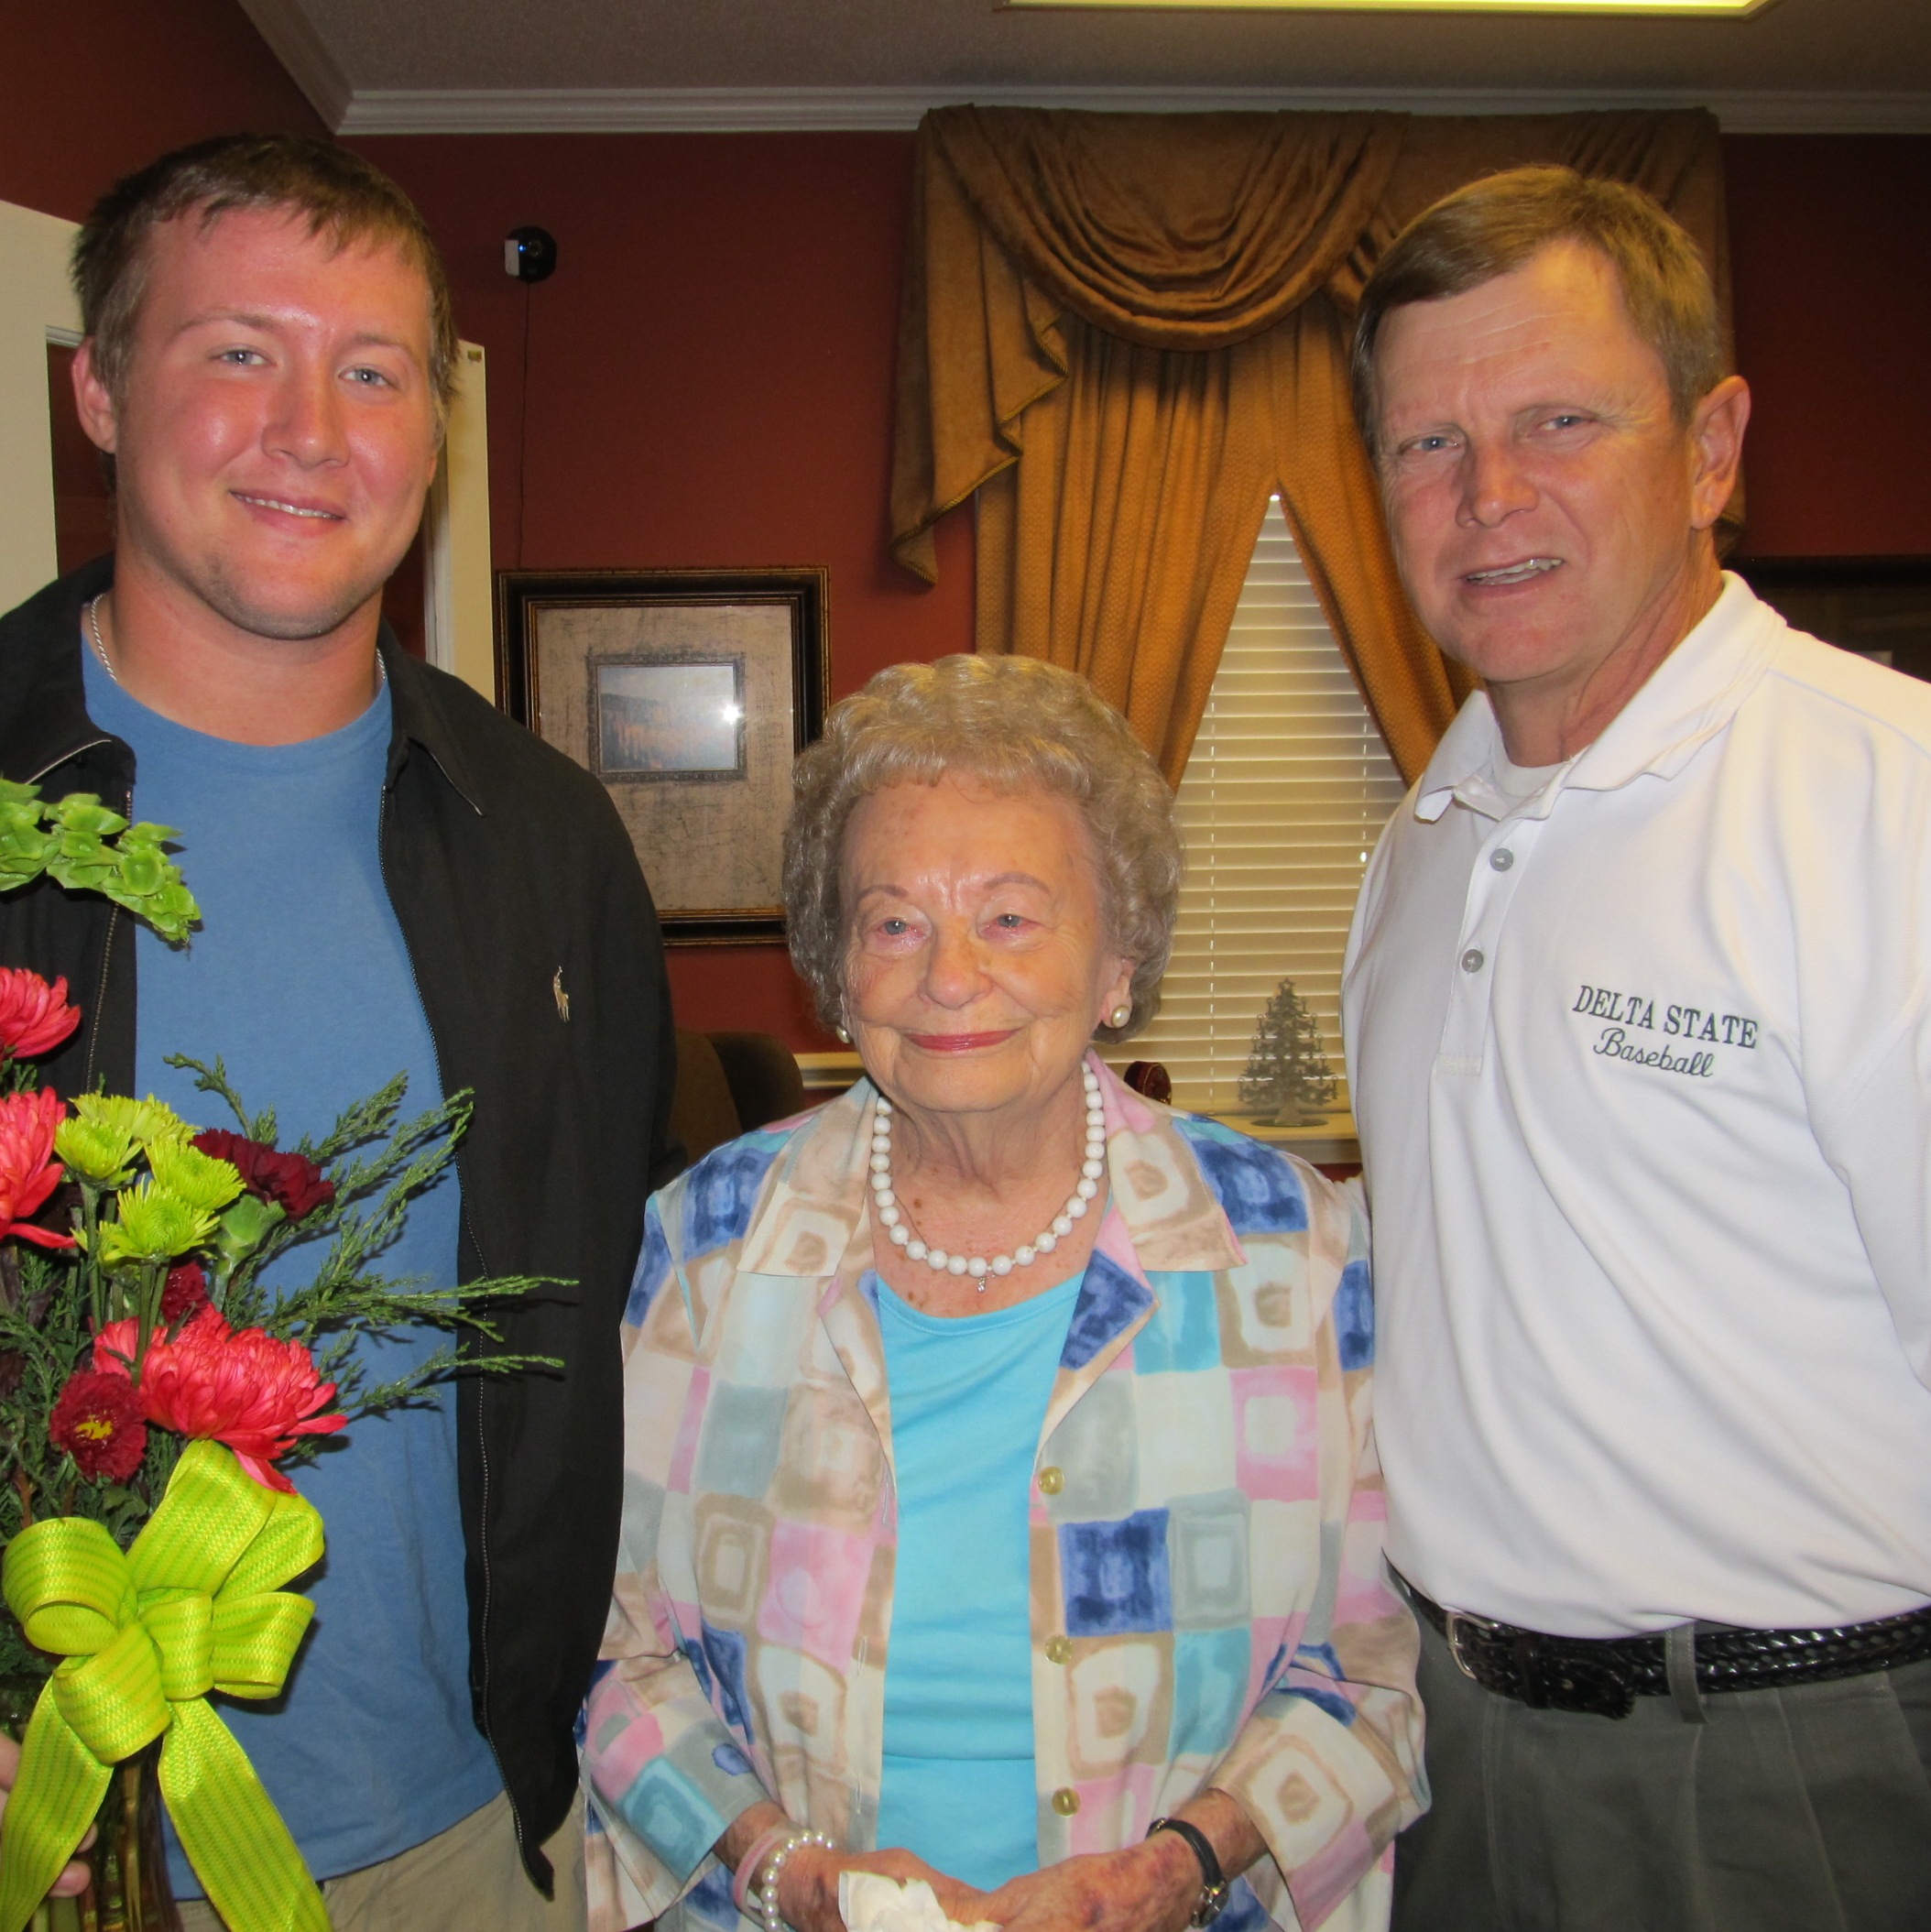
<point>891,1217</point>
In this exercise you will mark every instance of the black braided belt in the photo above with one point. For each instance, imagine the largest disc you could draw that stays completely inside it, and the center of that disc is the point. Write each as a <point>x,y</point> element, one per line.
<point>1605,1675</point>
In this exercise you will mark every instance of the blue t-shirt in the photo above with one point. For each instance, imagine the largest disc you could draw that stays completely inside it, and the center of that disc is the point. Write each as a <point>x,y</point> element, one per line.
<point>968,1401</point>
<point>298,979</point>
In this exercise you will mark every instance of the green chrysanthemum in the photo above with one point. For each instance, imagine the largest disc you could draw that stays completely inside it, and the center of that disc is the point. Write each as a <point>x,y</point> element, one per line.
<point>150,1123</point>
<point>95,1151</point>
<point>200,1181</point>
<point>152,1224</point>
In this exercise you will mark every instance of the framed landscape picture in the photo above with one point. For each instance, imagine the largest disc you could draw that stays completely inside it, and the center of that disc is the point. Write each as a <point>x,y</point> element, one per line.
<point>1878,606</point>
<point>688,693</point>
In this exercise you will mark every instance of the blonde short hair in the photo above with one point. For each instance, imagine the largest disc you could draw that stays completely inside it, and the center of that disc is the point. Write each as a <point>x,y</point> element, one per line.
<point>1016,724</point>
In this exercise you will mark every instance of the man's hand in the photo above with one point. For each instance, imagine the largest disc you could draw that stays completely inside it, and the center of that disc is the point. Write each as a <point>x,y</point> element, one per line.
<point>76,1877</point>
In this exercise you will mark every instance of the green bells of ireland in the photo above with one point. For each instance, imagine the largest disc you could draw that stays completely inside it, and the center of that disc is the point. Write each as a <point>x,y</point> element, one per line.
<point>196,1605</point>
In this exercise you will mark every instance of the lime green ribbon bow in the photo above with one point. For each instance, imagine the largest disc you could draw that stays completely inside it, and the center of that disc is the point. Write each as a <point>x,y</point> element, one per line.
<point>196,1605</point>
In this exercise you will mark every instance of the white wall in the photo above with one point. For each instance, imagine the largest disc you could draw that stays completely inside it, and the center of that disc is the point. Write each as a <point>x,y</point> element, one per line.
<point>458,590</point>
<point>35,306</point>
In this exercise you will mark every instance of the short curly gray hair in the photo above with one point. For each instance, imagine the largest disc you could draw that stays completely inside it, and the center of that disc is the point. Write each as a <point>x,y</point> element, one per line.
<point>1018,724</point>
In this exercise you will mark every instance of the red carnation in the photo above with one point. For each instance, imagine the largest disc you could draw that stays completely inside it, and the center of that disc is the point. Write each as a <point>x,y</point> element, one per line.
<point>34,1017</point>
<point>240,1386</point>
<point>28,1171</point>
<point>98,1421</point>
<point>186,1294</point>
<point>293,1182</point>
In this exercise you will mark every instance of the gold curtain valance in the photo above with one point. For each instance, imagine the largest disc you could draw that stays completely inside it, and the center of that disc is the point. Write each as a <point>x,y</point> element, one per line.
<point>1127,329</point>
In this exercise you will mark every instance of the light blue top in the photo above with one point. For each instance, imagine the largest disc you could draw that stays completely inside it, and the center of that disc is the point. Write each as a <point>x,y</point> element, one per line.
<point>299,978</point>
<point>968,1402</point>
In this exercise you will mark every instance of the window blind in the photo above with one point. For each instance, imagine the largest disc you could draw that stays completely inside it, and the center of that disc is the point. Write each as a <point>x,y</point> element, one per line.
<point>1287,790</point>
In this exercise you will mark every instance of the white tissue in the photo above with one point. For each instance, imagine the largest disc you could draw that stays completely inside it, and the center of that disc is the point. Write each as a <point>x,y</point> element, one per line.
<point>869,1902</point>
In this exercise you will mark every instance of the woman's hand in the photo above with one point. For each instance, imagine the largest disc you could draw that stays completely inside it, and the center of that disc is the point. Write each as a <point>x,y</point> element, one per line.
<point>808,1885</point>
<point>1149,1887</point>
<point>808,1879</point>
<point>76,1877</point>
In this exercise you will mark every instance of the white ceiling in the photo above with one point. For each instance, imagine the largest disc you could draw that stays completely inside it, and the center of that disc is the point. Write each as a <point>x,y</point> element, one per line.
<point>446,64</point>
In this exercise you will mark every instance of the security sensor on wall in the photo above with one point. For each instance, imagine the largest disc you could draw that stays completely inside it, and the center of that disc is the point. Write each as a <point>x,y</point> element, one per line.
<point>530,253</point>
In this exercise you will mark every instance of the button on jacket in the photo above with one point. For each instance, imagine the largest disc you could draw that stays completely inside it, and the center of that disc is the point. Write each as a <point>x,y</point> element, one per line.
<point>507,866</point>
<point>1208,1600</point>
<point>1642,1065</point>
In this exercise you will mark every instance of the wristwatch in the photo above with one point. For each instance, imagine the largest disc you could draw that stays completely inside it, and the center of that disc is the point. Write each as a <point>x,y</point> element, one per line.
<point>1214,1888</point>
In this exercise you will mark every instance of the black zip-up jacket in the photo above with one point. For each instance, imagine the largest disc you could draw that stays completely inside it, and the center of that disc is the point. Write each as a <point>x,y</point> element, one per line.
<point>519,898</point>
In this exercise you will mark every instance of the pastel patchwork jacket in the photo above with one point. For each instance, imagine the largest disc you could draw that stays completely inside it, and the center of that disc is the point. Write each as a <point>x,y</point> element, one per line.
<point>1209,1604</point>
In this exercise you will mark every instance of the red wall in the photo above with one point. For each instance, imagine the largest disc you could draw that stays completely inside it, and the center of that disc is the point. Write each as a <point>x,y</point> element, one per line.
<point>709,372</point>
<point>709,382</point>
<point>90,89</point>
<point>1830,248</point>
<point>710,375</point>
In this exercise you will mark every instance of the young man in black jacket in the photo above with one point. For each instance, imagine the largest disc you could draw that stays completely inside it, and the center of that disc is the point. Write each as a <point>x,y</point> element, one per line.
<point>391,877</point>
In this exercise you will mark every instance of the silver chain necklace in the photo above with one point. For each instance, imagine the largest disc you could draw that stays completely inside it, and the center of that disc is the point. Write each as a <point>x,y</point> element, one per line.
<point>100,649</point>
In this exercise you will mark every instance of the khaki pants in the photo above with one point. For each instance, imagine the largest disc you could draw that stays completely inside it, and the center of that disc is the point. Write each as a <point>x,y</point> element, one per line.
<point>467,1879</point>
<point>1805,1810</point>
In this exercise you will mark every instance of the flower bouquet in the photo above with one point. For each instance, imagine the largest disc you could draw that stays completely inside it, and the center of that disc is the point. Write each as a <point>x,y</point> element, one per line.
<point>153,1392</point>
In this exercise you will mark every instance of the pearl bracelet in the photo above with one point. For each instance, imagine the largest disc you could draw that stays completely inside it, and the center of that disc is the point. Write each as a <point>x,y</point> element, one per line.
<point>747,1866</point>
<point>767,1880</point>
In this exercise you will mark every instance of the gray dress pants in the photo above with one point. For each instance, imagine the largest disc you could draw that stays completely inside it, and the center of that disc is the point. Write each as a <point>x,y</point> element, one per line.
<point>1799,1810</point>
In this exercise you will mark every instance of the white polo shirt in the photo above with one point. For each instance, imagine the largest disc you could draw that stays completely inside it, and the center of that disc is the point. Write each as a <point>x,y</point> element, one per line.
<point>1643,1069</point>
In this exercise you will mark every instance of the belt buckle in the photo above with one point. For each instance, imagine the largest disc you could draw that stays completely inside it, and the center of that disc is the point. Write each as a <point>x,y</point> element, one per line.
<point>1456,1619</point>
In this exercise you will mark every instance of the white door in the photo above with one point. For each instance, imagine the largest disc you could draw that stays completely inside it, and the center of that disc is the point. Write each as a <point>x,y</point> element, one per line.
<point>37,307</point>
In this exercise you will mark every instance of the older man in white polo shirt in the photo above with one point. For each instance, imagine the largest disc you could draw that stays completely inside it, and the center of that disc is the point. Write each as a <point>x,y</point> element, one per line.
<point>1639,1017</point>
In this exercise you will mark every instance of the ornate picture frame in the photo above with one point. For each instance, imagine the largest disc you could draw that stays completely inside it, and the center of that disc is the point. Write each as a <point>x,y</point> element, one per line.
<point>688,692</point>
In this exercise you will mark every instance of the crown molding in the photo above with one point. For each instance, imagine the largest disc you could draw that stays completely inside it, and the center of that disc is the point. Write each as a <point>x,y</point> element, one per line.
<point>293,41</point>
<point>772,109</point>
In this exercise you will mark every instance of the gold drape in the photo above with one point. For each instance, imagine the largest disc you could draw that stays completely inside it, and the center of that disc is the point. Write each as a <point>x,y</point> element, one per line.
<point>1123,331</point>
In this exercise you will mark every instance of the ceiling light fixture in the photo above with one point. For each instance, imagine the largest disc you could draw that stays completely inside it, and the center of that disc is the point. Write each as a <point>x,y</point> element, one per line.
<point>1639,9</point>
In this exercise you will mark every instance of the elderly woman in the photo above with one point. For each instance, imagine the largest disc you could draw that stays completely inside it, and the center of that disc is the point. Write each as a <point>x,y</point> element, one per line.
<point>1000,1510</point>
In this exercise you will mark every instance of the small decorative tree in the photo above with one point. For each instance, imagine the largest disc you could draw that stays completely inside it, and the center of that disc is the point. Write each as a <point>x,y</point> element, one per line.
<point>1288,1082</point>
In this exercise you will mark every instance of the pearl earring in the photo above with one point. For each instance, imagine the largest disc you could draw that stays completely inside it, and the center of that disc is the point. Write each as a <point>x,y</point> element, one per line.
<point>843,1034</point>
<point>1120,1015</point>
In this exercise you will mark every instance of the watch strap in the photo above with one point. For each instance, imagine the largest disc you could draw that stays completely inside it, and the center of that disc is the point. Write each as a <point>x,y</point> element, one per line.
<point>1214,1885</point>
